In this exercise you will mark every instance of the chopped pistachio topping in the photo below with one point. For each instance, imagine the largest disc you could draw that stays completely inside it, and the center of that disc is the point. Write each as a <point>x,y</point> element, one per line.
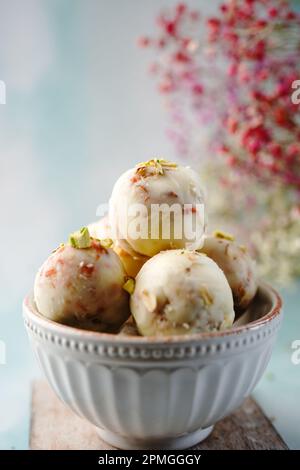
<point>223,235</point>
<point>206,296</point>
<point>106,242</point>
<point>80,239</point>
<point>129,286</point>
<point>158,164</point>
<point>167,163</point>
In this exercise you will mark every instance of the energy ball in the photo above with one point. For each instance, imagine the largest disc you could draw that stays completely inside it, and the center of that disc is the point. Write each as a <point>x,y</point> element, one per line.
<point>158,205</point>
<point>236,264</point>
<point>81,285</point>
<point>131,260</point>
<point>178,292</point>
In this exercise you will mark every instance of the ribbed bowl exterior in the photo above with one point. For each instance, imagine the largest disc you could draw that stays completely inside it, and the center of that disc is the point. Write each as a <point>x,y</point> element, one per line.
<point>147,389</point>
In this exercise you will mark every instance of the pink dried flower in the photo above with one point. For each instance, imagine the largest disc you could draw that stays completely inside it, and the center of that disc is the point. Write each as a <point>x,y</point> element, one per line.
<point>238,76</point>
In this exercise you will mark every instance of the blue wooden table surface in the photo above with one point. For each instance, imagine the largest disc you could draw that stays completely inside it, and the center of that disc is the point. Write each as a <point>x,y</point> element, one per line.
<point>279,390</point>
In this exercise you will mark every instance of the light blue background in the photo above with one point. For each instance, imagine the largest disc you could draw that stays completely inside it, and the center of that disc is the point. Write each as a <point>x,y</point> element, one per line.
<point>80,110</point>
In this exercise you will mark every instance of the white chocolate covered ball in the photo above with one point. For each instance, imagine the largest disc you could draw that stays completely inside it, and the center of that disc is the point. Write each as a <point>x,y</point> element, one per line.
<point>237,266</point>
<point>140,204</point>
<point>83,288</point>
<point>180,292</point>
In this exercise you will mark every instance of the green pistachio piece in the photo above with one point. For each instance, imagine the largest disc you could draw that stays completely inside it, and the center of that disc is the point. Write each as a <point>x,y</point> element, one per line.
<point>106,242</point>
<point>129,286</point>
<point>80,239</point>
<point>206,296</point>
<point>60,246</point>
<point>159,164</point>
<point>223,235</point>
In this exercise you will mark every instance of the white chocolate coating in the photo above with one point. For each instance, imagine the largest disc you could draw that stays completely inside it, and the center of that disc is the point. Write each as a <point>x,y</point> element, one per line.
<point>83,288</point>
<point>237,266</point>
<point>180,292</point>
<point>144,186</point>
<point>100,229</point>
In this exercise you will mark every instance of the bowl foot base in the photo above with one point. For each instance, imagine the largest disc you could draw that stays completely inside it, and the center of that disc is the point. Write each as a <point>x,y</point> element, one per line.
<point>173,443</point>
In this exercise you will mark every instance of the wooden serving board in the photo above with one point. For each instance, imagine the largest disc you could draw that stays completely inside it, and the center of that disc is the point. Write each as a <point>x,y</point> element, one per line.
<point>55,427</point>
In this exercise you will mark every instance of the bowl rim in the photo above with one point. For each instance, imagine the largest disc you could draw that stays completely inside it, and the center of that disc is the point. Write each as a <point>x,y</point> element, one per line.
<point>31,312</point>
